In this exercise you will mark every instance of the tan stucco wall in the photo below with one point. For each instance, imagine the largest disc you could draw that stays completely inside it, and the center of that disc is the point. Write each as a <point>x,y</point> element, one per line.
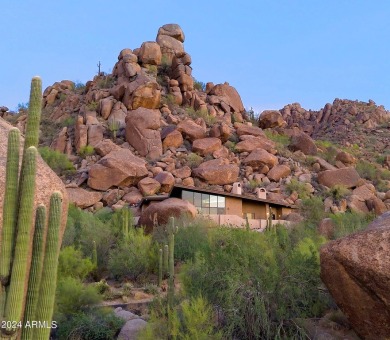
<point>233,206</point>
<point>258,208</point>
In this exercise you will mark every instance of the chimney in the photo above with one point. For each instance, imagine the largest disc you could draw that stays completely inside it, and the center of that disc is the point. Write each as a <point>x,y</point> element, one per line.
<point>237,189</point>
<point>261,193</point>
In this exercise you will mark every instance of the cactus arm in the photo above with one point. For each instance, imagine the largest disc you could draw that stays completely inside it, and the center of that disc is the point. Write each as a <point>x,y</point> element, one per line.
<point>10,207</point>
<point>44,311</point>
<point>171,261</point>
<point>34,113</point>
<point>165,260</point>
<point>35,271</point>
<point>160,266</point>
<point>15,296</point>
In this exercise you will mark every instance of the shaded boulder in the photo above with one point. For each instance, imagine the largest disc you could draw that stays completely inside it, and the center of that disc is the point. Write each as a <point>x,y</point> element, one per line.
<point>173,139</point>
<point>166,180</point>
<point>142,132</point>
<point>131,329</point>
<point>83,198</point>
<point>118,168</point>
<point>347,177</point>
<point>356,270</point>
<point>191,130</point>
<point>271,119</point>
<point>302,142</point>
<point>148,186</point>
<point>217,171</point>
<point>259,158</point>
<point>160,212</point>
<point>105,146</point>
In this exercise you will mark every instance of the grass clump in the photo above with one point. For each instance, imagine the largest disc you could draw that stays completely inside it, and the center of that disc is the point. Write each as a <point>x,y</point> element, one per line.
<point>57,161</point>
<point>194,114</point>
<point>93,105</point>
<point>350,222</point>
<point>339,191</point>
<point>87,150</point>
<point>194,160</point>
<point>301,188</point>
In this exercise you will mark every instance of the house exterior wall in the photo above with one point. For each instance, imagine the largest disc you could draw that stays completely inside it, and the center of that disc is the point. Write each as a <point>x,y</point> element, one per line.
<point>233,206</point>
<point>256,208</point>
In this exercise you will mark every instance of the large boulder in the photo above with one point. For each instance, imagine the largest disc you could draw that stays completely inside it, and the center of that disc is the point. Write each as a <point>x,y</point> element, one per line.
<point>347,177</point>
<point>217,171</point>
<point>46,180</point>
<point>166,180</point>
<point>302,142</point>
<point>83,198</point>
<point>244,129</point>
<point>150,53</point>
<point>259,158</point>
<point>271,119</point>
<point>278,172</point>
<point>206,146</point>
<point>148,186</point>
<point>147,95</point>
<point>228,95</point>
<point>356,270</point>
<point>170,37</point>
<point>131,329</point>
<point>142,132</point>
<point>118,168</point>
<point>161,211</point>
<point>172,139</point>
<point>249,143</point>
<point>191,130</point>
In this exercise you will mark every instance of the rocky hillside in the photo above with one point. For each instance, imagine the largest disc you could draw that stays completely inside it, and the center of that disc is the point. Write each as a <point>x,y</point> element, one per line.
<point>150,124</point>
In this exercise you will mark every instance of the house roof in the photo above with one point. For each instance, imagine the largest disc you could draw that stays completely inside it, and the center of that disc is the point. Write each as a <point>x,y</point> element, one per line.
<point>228,194</point>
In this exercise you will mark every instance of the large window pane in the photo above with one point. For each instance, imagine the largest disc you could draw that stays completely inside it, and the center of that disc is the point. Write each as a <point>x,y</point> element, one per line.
<point>213,211</point>
<point>213,201</point>
<point>197,199</point>
<point>205,200</point>
<point>221,202</point>
<point>188,196</point>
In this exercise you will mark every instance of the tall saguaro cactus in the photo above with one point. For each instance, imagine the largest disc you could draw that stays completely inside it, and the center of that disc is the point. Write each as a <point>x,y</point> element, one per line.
<point>17,230</point>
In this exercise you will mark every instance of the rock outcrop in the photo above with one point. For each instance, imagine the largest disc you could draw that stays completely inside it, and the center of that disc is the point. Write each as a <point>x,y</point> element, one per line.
<point>356,270</point>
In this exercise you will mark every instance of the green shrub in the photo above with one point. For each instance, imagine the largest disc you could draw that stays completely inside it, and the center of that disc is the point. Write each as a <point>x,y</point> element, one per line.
<point>87,150</point>
<point>133,258</point>
<point>339,191</point>
<point>106,82</point>
<point>93,106</point>
<point>313,211</point>
<point>57,161</point>
<point>72,264</point>
<point>69,121</point>
<point>99,324</point>
<point>349,222</point>
<point>194,160</point>
<point>260,281</point>
<point>194,114</point>
<point>300,187</point>
<point>198,85</point>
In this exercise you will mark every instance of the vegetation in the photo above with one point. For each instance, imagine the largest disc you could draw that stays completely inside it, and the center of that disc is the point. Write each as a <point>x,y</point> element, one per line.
<point>57,161</point>
<point>93,105</point>
<point>87,150</point>
<point>198,85</point>
<point>194,160</point>
<point>106,82</point>
<point>299,187</point>
<point>349,222</point>
<point>194,114</point>
<point>339,191</point>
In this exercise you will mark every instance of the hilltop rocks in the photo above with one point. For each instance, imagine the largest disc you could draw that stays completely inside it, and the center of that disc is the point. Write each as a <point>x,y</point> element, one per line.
<point>142,132</point>
<point>347,177</point>
<point>217,171</point>
<point>170,37</point>
<point>161,211</point>
<point>356,270</point>
<point>227,95</point>
<point>150,53</point>
<point>117,168</point>
<point>83,198</point>
<point>271,119</point>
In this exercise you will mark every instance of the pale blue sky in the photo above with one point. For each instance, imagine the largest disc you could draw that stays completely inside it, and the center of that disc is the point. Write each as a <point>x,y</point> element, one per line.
<point>273,52</point>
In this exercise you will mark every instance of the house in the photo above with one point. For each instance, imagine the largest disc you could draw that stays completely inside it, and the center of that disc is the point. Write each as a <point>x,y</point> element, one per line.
<point>234,208</point>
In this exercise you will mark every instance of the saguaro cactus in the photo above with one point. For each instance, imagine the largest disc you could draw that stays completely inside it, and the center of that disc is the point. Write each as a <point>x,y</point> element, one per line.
<point>18,228</point>
<point>160,266</point>
<point>171,261</point>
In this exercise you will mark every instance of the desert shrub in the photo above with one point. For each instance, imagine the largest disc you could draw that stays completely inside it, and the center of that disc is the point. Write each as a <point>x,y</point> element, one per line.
<point>191,319</point>
<point>133,258</point>
<point>83,228</point>
<point>313,211</point>
<point>300,187</point>
<point>339,191</point>
<point>198,85</point>
<point>72,264</point>
<point>367,170</point>
<point>194,160</point>
<point>56,160</point>
<point>73,296</point>
<point>190,239</point>
<point>99,324</point>
<point>69,121</point>
<point>329,150</point>
<point>49,128</point>
<point>87,150</point>
<point>106,82</point>
<point>93,105</point>
<point>280,140</point>
<point>349,223</point>
<point>231,145</point>
<point>260,281</point>
<point>194,114</point>
<point>151,69</point>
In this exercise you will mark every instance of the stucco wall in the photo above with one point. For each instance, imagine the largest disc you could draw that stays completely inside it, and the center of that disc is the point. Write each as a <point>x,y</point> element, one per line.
<point>233,206</point>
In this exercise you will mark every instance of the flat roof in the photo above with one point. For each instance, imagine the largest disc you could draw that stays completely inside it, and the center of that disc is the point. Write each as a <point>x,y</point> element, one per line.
<point>223,193</point>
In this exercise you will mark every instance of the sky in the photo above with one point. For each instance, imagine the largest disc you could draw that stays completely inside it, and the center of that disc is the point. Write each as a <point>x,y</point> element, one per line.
<point>273,52</point>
